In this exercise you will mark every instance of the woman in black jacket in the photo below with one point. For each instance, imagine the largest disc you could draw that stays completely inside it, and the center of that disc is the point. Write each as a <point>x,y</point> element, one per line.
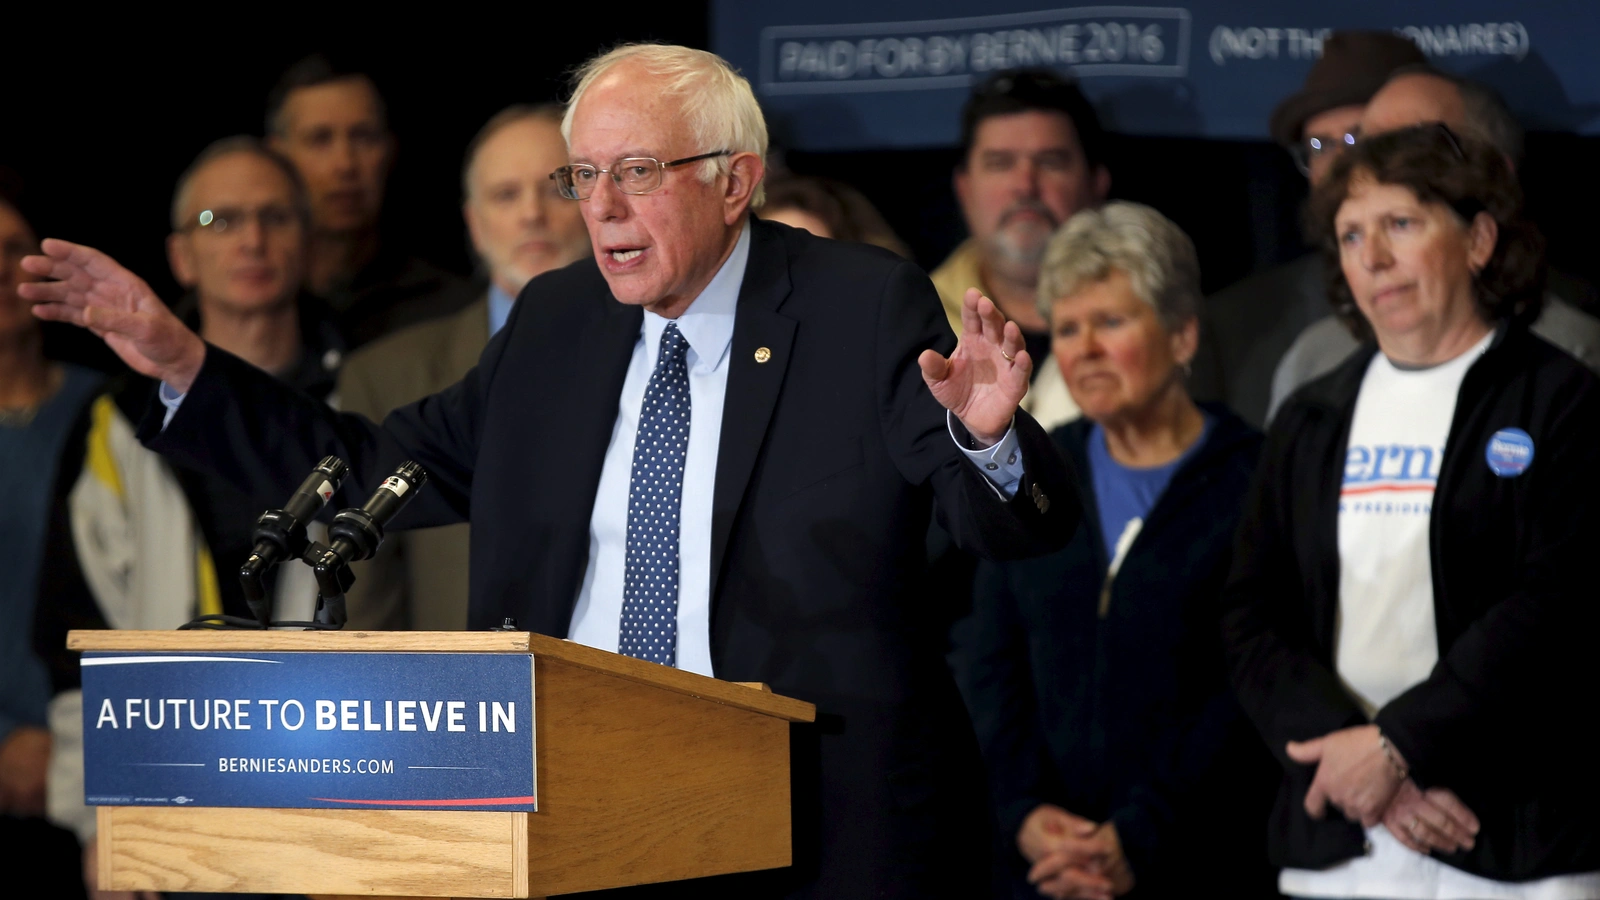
<point>1095,675</point>
<point>1411,596</point>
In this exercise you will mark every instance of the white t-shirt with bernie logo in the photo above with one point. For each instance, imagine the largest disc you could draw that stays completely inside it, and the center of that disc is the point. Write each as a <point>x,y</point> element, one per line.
<point>1386,637</point>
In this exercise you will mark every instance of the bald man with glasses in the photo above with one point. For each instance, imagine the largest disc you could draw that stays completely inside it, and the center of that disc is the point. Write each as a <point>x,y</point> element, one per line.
<point>156,542</point>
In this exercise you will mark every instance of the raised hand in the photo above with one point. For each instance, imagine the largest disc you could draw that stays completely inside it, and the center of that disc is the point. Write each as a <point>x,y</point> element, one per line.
<point>984,380</point>
<point>91,290</point>
<point>1434,819</point>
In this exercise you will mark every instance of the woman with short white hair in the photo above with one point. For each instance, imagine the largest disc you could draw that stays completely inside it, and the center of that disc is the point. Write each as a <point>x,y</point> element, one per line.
<point>1095,675</point>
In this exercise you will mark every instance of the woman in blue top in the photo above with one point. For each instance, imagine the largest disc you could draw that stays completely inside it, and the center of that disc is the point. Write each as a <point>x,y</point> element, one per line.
<point>1118,759</point>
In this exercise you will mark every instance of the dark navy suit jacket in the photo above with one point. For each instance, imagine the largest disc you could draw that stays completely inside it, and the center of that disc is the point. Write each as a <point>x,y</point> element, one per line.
<point>833,455</point>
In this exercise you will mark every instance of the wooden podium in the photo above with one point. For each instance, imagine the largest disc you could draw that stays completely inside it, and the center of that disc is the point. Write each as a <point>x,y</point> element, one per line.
<point>645,774</point>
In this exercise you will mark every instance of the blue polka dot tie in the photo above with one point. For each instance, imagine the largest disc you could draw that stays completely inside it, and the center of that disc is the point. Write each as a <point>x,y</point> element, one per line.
<point>650,587</point>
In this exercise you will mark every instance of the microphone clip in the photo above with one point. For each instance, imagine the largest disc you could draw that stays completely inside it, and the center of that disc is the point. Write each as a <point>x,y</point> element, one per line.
<point>280,534</point>
<point>359,530</point>
<point>334,579</point>
<point>277,536</point>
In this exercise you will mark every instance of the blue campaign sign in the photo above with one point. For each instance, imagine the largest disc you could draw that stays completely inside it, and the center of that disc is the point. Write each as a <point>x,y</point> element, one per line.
<point>310,730</point>
<point>867,74</point>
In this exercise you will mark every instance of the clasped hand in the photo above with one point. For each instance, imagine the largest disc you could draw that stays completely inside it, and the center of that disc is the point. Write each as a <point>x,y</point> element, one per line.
<point>1356,776</point>
<point>984,380</point>
<point>1072,856</point>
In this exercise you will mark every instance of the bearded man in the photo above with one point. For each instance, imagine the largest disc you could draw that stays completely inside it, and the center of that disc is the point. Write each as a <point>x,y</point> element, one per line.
<point>1033,155</point>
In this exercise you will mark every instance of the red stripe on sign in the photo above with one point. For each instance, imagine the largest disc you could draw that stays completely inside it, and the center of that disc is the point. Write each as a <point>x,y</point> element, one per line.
<point>1398,488</point>
<point>466,801</point>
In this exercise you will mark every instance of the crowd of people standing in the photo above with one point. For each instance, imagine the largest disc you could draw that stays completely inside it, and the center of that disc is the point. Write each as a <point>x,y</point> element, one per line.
<point>1311,633</point>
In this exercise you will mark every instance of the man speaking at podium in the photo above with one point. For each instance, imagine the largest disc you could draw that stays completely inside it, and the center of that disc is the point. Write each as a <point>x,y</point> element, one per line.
<point>715,446</point>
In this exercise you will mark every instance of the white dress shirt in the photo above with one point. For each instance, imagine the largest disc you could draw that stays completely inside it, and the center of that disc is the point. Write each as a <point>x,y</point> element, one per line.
<point>708,327</point>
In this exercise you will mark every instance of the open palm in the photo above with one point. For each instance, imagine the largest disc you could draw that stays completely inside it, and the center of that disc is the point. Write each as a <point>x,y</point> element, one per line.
<point>984,380</point>
<point>91,290</point>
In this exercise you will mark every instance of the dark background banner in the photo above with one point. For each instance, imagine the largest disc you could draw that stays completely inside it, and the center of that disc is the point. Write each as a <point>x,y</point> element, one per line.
<point>858,74</point>
<point>98,122</point>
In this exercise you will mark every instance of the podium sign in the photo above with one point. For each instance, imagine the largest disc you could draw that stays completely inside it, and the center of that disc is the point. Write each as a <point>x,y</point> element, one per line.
<point>647,774</point>
<point>447,731</point>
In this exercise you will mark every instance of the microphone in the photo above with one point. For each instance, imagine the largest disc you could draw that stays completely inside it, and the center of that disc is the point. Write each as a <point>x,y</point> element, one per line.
<point>315,492</point>
<point>356,533</point>
<point>281,533</point>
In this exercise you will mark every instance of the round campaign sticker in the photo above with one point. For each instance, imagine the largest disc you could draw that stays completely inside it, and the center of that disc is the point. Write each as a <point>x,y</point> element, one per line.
<point>1509,453</point>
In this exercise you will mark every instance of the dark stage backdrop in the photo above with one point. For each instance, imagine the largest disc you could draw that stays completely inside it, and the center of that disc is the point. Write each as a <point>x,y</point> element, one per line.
<point>99,130</point>
<point>98,126</point>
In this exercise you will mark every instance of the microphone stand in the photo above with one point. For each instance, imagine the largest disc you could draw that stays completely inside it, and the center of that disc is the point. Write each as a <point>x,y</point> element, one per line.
<point>280,529</point>
<point>334,578</point>
<point>280,534</point>
<point>355,535</point>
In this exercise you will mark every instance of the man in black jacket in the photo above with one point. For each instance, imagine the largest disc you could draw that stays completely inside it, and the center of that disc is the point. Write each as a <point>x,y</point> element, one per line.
<point>817,374</point>
<point>1246,327</point>
<point>332,124</point>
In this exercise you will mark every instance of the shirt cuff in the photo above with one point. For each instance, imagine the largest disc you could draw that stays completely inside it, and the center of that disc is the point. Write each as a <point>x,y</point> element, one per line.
<point>171,399</point>
<point>1000,464</point>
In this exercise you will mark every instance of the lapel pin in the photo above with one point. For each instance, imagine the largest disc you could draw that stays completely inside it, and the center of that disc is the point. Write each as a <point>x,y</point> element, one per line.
<point>763,354</point>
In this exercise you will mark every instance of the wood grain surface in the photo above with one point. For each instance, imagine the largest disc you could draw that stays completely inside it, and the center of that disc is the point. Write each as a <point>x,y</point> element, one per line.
<point>294,851</point>
<point>640,784</point>
<point>645,774</point>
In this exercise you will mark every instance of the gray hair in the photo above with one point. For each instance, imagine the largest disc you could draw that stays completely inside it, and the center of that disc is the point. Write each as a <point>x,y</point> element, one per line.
<point>228,147</point>
<point>1132,238</point>
<point>721,110</point>
<point>511,115</point>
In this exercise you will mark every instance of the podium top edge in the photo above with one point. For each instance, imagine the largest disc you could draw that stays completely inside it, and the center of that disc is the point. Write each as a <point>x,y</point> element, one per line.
<point>727,693</point>
<point>302,641</point>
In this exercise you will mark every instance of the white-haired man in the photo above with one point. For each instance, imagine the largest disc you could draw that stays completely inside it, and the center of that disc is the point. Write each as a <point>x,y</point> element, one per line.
<point>782,397</point>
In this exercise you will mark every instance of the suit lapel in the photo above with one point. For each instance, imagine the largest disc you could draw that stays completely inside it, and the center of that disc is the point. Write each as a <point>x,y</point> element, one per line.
<point>604,348</point>
<point>754,380</point>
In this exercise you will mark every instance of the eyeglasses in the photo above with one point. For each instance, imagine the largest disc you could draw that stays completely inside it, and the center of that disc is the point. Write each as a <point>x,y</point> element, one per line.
<point>635,175</point>
<point>224,220</point>
<point>1443,130</point>
<point>1312,147</point>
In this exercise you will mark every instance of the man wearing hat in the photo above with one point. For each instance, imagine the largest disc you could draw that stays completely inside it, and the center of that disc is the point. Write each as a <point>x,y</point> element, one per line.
<point>1414,95</point>
<point>1247,327</point>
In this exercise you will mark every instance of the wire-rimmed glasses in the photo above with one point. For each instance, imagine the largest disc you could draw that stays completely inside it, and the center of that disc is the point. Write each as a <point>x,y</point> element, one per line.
<point>223,220</point>
<point>1311,147</point>
<point>634,175</point>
